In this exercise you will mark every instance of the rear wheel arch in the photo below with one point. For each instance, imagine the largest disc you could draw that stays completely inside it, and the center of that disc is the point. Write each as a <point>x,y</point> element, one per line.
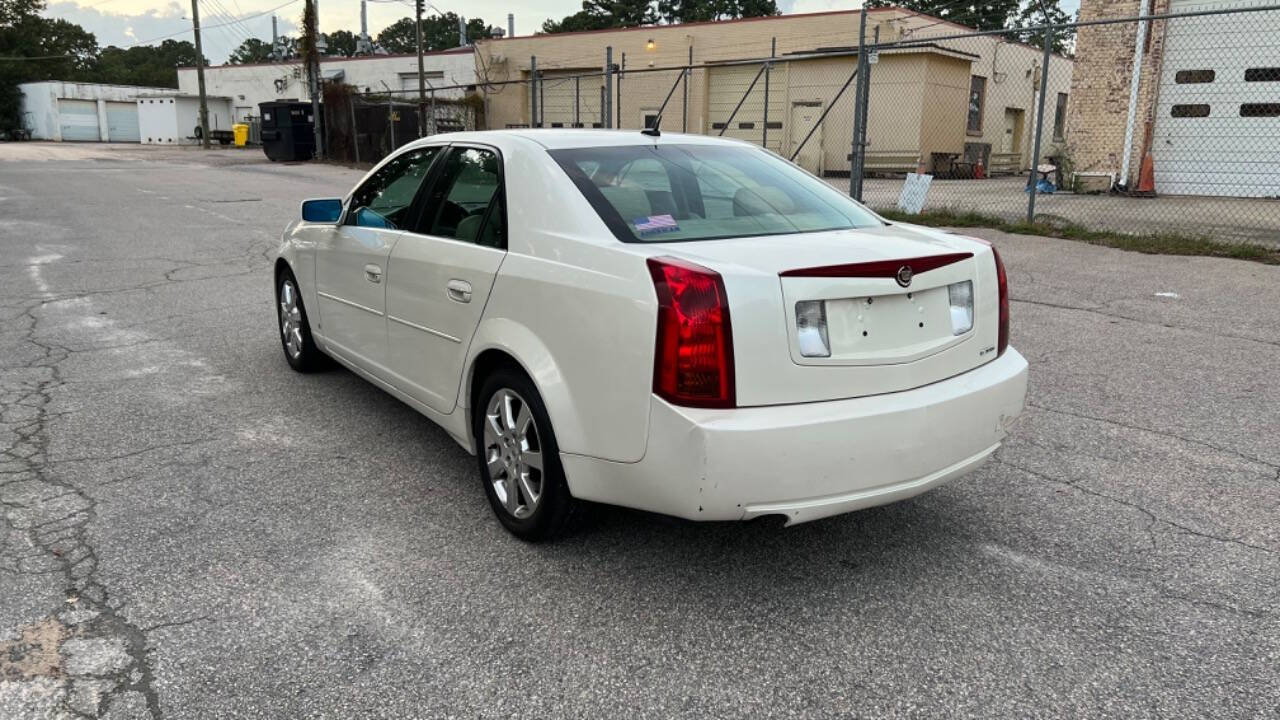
<point>503,343</point>
<point>483,366</point>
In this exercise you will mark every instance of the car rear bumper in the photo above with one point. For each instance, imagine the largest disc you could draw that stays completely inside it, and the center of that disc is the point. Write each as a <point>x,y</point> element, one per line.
<point>811,460</point>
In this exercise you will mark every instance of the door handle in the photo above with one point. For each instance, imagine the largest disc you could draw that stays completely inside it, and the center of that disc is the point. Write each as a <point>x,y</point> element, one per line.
<point>373,273</point>
<point>459,291</point>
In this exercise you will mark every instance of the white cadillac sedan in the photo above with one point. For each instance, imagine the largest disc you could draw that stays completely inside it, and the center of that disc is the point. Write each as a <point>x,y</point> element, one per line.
<point>680,324</point>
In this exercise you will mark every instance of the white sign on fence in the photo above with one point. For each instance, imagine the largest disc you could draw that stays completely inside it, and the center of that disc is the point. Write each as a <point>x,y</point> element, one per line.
<point>914,191</point>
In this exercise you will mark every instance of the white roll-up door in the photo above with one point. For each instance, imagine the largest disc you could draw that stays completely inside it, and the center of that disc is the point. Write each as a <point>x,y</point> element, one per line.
<point>726,87</point>
<point>558,107</point>
<point>1218,113</point>
<point>78,120</point>
<point>122,122</point>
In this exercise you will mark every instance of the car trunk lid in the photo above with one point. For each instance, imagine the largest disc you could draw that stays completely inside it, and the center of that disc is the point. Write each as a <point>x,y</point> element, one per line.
<point>893,301</point>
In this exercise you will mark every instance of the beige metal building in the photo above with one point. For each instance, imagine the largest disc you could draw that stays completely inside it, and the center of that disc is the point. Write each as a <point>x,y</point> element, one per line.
<point>940,103</point>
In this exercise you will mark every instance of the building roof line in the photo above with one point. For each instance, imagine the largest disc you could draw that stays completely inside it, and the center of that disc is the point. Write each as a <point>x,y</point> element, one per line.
<point>467,49</point>
<point>677,26</point>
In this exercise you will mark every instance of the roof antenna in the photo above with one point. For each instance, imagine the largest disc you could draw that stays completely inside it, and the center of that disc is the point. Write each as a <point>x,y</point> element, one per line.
<point>653,131</point>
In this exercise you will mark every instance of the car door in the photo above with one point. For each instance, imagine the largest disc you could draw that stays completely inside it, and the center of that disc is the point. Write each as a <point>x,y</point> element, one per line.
<point>351,259</point>
<point>440,275</point>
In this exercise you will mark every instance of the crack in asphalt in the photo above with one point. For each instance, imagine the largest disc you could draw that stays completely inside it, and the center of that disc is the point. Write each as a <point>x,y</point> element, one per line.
<point>1145,511</point>
<point>1099,310</point>
<point>61,543</point>
<point>1162,433</point>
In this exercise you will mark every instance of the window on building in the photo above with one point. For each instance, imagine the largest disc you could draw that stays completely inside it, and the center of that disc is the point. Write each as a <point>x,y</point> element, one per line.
<point>1060,117</point>
<point>1185,77</point>
<point>977,102</point>
<point>650,119</point>
<point>1191,111</point>
<point>1260,110</point>
<point>1268,74</point>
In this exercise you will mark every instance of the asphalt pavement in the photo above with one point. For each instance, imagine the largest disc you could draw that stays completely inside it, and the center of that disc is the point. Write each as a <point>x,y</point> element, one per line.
<point>192,530</point>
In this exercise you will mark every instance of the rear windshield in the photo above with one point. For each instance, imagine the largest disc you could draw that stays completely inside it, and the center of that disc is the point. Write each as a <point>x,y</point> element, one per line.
<point>672,193</point>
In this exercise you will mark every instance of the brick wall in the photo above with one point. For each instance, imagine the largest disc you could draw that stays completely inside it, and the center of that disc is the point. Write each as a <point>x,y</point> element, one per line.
<point>1099,102</point>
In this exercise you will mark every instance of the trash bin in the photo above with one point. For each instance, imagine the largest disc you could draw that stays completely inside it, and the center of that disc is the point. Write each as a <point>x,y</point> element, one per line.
<point>241,133</point>
<point>288,131</point>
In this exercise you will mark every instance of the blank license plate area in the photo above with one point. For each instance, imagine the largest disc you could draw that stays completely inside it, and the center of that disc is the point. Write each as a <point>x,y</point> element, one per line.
<point>883,327</point>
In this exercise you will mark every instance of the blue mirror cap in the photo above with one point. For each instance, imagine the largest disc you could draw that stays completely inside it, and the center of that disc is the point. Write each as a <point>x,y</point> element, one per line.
<point>322,210</point>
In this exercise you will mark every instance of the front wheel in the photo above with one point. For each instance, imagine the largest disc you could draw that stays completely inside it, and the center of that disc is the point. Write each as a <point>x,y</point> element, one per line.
<point>295,331</point>
<point>519,459</point>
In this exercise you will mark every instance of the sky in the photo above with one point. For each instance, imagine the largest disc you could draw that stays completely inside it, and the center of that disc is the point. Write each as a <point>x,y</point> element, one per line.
<point>226,23</point>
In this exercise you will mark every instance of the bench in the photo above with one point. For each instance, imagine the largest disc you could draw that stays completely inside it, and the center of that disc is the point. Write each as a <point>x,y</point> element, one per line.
<point>1005,164</point>
<point>889,162</point>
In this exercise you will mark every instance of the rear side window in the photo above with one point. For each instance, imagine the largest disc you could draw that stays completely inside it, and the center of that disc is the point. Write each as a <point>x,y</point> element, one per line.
<point>673,193</point>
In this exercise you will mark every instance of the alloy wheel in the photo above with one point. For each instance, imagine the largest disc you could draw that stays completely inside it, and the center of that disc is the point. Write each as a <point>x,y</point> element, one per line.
<point>290,319</point>
<point>513,453</point>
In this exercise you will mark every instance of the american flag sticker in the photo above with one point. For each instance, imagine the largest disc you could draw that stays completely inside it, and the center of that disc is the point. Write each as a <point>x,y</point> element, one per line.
<point>655,224</point>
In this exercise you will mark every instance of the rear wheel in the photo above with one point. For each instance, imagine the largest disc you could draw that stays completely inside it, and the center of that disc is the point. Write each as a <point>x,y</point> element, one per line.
<point>295,331</point>
<point>519,458</point>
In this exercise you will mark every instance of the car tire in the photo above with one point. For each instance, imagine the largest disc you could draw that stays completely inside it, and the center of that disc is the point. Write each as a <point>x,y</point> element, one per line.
<point>295,329</point>
<point>513,436</point>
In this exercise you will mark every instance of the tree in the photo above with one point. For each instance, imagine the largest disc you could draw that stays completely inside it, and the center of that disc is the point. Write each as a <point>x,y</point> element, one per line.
<point>58,50</point>
<point>252,50</point>
<point>988,15</point>
<point>1032,16</point>
<point>342,43</point>
<point>148,65</point>
<point>439,32</point>
<point>683,11</point>
<point>605,14</point>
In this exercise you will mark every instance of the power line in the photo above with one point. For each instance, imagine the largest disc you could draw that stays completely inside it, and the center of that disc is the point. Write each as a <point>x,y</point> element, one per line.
<point>207,27</point>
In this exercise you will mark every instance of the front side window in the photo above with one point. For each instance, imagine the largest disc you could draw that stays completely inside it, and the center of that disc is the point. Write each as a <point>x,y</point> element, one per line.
<point>977,102</point>
<point>673,193</point>
<point>465,203</point>
<point>384,200</point>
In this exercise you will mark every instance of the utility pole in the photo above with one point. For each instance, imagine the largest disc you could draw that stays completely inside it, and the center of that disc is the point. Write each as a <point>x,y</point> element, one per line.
<point>422,77</point>
<point>275,40</point>
<point>313,71</point>
<point>204,103</point>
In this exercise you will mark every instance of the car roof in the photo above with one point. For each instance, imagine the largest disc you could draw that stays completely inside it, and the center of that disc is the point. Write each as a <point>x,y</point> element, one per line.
<point>557,139</point>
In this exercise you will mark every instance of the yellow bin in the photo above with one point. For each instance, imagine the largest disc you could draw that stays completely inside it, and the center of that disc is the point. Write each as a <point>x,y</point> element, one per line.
<point>241,133</point>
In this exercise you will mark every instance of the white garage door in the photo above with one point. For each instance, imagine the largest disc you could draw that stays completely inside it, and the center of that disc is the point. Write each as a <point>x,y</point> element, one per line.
<point>122,122</point>
<point>78,120</point>
<point>728,85</point>
<point>1218,114</point>
<point>559,108</point>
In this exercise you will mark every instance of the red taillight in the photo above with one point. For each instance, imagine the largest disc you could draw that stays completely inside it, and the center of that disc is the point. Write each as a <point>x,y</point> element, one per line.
<point>693,359</point>
<point>1002,281</point>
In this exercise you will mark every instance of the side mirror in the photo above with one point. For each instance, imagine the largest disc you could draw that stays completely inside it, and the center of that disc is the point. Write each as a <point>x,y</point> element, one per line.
<point>323,210</point>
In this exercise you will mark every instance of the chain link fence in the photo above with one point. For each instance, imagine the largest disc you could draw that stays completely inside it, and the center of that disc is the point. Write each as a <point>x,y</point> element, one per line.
<point>1167,122</point>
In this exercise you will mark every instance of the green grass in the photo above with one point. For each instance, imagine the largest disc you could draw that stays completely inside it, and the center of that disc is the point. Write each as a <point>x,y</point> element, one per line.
<point>1151,243</point>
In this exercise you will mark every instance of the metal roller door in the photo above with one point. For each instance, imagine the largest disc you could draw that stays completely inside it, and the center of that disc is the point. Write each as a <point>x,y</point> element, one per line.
<point>1217,126</point>
<point>78,120</point>
<point>557,105</point>
<point>728,84</point>
<point>122,122</point>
